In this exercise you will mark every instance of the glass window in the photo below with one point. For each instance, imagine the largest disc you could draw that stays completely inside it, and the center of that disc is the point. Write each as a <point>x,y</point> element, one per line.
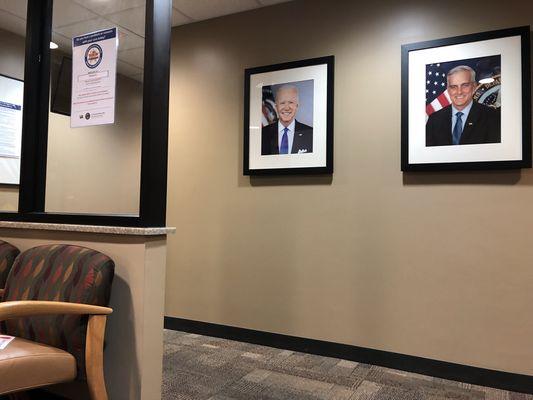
<point>96,169</point>
<point>12,48</point>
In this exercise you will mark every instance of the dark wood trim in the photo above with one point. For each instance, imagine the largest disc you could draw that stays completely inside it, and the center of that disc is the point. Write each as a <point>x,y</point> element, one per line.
<point>74,219</point>
<point>526,97</point>
<point>472,37</point>
<point>330,112</point>
<point>154,157</point>
<point>420,365</point>
<point>35,114</point>
<point>467,166</point>
<point>246,126</point>
<point>404,124</point>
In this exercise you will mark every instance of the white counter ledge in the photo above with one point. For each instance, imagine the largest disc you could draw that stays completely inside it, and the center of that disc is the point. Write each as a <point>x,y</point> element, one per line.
<point>113,230</point>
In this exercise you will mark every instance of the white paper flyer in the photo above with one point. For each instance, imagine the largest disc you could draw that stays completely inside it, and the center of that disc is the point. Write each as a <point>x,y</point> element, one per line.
<point>5,340</point>
<point>94,71</point>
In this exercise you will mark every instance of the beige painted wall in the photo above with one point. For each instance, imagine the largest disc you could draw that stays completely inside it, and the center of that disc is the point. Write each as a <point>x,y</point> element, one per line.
<point>435,265</point>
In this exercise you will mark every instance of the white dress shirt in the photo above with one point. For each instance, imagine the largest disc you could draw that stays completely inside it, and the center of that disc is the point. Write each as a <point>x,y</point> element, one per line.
<point>465,112</point>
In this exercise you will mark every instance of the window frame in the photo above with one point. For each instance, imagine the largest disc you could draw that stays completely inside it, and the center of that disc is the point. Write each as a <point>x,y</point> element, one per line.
<point>154,142</point>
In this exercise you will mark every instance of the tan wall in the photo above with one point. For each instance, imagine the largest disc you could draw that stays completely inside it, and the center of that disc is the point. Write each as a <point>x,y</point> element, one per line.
<point>436,265</point>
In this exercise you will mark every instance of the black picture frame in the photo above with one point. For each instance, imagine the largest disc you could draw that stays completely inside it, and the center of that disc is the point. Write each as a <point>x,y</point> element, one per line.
<point>513,150</point>
<point>313,79</point>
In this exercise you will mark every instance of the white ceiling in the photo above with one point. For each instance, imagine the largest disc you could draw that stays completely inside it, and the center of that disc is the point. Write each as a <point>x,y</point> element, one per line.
<point>77,17</point>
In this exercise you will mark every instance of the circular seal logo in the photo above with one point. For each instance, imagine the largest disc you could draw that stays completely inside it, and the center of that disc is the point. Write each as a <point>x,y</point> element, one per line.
<point>93,56</point>
<point>489,93</point>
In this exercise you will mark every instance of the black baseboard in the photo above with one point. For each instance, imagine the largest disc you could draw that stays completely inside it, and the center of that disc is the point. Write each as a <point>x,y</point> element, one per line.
<point>420,365</point>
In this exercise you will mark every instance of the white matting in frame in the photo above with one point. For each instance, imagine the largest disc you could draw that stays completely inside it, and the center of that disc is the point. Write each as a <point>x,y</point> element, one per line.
<point>510,147</point>
<point>318,157</point>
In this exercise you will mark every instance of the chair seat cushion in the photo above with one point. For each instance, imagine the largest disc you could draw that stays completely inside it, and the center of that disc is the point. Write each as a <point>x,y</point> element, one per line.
<point>58,272</point>
<point>25,365</point>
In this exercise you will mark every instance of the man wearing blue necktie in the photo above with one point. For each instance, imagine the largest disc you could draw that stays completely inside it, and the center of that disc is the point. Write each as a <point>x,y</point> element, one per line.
<point>286,135</point>
<point>464,121</point>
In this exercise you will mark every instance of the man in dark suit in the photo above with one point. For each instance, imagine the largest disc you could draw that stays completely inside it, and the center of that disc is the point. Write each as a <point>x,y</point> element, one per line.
<point>286,136</point>
<point>464,121</point>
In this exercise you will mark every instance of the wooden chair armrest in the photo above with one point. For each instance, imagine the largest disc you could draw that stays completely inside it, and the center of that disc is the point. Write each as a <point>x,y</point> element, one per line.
<point>94,357</point>
<point>26,308</point>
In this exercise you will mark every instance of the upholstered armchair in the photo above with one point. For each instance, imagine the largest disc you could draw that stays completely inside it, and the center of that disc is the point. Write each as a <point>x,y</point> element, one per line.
<point>8,253</point>
<point>54,304</point>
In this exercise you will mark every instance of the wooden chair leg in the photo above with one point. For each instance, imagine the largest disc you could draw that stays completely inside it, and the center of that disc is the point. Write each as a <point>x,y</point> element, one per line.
<point>94,357</point>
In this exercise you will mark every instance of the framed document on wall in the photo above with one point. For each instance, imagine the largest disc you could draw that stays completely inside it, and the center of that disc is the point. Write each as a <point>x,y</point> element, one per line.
<point>466,102</point>
<point>11,100</point>
<point>288,118</point>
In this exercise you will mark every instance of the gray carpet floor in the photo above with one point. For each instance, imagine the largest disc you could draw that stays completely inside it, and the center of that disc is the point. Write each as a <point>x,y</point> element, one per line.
<point>206,368</point>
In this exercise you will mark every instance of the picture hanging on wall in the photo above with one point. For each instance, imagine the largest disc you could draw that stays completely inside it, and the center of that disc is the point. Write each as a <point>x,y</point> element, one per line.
<point>288,118</point>
<point>466,102</point>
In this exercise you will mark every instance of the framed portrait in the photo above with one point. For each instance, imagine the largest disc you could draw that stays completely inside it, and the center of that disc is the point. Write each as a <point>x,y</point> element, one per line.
<point>288,118</point>
<point>466,102</point>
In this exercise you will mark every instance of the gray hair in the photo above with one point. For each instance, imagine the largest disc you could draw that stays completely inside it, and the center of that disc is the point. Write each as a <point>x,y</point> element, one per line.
<point>287,87</point>
<point>461,68</point>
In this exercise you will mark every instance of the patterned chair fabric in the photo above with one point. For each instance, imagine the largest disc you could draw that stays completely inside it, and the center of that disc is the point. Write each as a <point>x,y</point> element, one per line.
<point>59,273</point>
<point>8,253</point>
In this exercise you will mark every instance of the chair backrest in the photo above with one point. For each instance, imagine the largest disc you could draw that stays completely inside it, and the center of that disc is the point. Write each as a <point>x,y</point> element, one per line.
<point>59,273</point>
<point>8,253</point>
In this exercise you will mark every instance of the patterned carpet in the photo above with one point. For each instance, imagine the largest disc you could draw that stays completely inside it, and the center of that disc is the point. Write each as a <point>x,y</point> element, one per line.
<point>206,368</point>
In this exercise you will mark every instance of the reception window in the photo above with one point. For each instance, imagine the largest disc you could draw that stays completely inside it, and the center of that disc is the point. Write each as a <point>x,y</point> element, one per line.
<point>105,164</point>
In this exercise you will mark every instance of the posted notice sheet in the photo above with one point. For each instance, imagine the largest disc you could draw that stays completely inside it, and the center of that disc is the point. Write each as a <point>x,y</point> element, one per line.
<point>94,70</point>
<point>11,128</point>
<point>11,99</point>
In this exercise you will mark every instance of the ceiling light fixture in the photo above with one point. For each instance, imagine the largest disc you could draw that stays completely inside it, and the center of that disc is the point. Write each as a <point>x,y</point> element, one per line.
<point>53,46</point>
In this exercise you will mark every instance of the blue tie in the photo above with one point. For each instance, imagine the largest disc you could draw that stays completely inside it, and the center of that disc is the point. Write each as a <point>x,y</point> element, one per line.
<point>284,148</point>
<point>458,128</point>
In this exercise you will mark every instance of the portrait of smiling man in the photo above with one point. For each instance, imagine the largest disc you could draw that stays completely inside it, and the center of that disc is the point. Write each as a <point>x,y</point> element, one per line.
<point>464,121</point>
<point>287,135</point>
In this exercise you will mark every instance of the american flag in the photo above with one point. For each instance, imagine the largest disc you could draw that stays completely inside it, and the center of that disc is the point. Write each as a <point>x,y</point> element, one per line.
<point>269,114</point>
<point>436,94</point>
